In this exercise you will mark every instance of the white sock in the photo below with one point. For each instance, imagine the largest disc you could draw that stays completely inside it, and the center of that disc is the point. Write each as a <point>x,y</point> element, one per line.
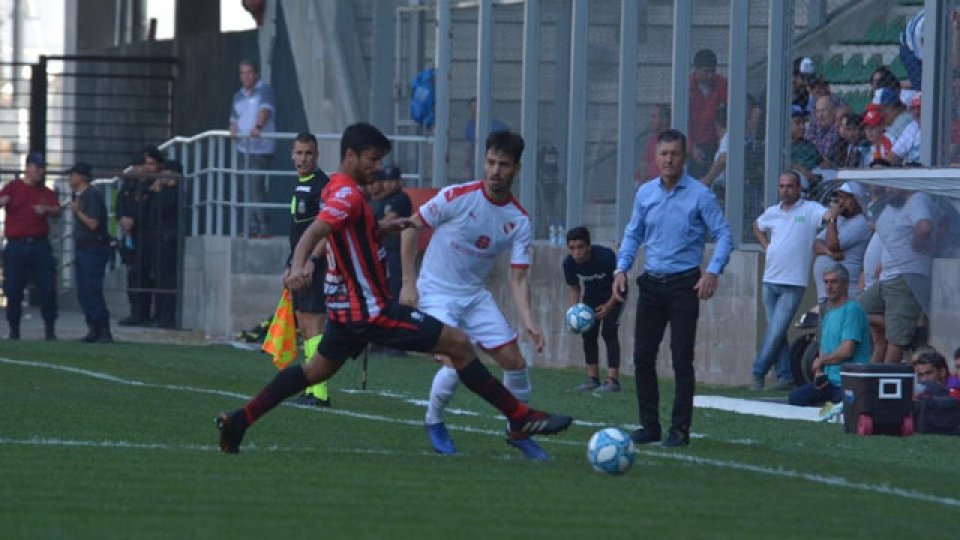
<point>518,383</point>
<point>444,385</point>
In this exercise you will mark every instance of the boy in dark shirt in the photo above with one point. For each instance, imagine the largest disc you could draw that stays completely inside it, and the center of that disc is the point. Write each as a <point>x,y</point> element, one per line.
<point>588,271</point>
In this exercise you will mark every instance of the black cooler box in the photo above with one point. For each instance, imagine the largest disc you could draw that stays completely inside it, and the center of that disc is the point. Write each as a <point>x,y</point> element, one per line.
<point>877,399</point>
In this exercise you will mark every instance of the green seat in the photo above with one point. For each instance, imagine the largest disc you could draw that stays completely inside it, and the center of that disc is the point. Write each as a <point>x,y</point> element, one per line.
<point>894,29</point>
<point>874,32</point>
<point>857,100</point>
<point>832,69</point>
<point>852,69</point>
<point>896,67</point>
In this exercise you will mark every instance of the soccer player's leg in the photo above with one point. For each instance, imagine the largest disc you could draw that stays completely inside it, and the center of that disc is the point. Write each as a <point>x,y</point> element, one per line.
<point>487,326</point>
<point>340,344</point>
<point>445,381</point>
<point>410,329</point>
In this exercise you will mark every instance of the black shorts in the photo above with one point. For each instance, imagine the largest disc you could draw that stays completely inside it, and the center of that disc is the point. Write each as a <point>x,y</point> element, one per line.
<point>311,299</point>
<point>398,327</point>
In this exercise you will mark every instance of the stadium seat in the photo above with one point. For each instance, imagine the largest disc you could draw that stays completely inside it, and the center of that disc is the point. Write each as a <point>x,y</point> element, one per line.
<point>894,29</point>
<point>897,68</point>
<point>852,69</point>
<point>832,69</point>
<point>873,63</point>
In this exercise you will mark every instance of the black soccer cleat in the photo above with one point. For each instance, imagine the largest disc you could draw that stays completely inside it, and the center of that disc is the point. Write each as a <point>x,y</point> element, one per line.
<point>539,423</point>
<point>230,434</point>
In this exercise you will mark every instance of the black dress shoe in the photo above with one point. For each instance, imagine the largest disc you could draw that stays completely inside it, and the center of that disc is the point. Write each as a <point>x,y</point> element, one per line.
<point>677,438</point>
<point>645,436</point>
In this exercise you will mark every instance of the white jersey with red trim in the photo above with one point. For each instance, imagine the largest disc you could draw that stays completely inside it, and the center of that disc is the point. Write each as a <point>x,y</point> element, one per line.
<point>470,231</point>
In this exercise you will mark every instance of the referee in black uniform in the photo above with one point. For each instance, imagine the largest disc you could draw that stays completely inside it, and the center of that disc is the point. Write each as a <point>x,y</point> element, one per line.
<point>309,303</point>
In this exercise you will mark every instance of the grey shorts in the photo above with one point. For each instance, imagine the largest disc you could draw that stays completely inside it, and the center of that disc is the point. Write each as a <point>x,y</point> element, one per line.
<point>901,311</point>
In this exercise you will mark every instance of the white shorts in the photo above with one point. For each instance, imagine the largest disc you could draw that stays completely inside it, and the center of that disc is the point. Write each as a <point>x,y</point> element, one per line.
<point>477,315</point>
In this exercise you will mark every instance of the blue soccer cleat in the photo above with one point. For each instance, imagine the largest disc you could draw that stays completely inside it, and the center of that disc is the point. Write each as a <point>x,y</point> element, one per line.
<point>529,447</point>
<point>440,439</point>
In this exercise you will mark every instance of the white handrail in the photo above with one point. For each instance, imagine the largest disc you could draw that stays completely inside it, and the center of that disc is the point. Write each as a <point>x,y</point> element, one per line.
<point>217,172</point>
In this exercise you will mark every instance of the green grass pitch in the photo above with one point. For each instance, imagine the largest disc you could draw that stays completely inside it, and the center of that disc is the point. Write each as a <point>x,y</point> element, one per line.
<point>118,441</point>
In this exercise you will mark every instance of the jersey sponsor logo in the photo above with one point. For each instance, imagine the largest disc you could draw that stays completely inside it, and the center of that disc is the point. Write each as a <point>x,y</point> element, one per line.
<point>416,315</point>
<point>305,189</point>
<point>343,193</point>
<point>508,227</point>
<point>483,242</point>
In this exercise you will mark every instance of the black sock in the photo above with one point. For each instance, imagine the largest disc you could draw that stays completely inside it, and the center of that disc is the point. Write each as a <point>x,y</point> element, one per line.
<point>478,379</point>
<point>287,383</point>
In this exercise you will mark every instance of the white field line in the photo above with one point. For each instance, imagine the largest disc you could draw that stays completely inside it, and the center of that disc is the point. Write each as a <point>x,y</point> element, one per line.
<point>128,445</point>
<point>836,481</point>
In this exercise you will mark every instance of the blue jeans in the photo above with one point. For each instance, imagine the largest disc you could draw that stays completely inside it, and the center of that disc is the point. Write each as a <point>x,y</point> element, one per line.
<point>809,395</point>
<point>780,303</point>
<point>90,264</point>
<point>29,260</point>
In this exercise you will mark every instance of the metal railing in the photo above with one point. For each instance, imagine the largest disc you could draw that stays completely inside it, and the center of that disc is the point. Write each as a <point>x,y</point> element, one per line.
<point>217,176</point>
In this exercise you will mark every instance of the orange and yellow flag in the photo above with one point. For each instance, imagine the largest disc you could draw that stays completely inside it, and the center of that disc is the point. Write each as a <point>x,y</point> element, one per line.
<point>281,340</point>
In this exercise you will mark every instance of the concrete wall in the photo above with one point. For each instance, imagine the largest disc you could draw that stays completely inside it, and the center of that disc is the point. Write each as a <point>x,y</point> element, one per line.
<point>724,351</point>
<point>234,283</point>
<point>230,284</point>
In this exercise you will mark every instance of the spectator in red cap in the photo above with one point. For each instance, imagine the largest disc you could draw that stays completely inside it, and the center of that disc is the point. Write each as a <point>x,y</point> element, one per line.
<point>28,255</point>
<point>873,126</point>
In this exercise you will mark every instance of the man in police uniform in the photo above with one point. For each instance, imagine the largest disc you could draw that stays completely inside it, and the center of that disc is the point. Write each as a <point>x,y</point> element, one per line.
<point>392,204</point>
<point>138,234</point>
<point>309,303</point>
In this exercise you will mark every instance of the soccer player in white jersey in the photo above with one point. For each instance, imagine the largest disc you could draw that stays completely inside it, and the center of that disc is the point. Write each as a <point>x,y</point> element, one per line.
<point>473,223</point>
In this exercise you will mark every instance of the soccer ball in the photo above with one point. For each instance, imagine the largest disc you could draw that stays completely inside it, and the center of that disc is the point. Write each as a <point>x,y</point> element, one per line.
<point>580,318</point>
<point>610,450</point>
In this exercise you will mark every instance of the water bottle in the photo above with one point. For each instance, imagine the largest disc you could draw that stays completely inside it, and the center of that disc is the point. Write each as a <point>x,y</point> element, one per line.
<point>553,233</point>
<point>561,235</point>
<point>128,241</point>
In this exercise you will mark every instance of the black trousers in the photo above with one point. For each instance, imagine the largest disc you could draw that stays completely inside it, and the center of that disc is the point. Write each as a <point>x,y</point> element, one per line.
<point>667,300</point>
<point>610,326</point>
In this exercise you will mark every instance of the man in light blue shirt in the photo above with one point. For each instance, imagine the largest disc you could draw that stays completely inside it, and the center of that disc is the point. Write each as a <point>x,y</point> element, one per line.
<point>252,114</point>
<point>672,216</point>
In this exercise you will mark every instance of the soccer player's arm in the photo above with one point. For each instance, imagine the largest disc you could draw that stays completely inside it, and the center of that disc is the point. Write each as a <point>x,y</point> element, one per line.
<point>340,208</point>
<point>520,283</point>
<point>408,262</point>
<point>520,287</point>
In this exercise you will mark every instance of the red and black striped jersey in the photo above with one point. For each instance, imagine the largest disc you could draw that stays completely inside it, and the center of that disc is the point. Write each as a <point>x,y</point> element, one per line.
<point>356,282</point>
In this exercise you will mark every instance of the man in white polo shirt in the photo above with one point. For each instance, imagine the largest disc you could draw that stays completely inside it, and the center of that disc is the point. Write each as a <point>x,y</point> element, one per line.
<point>251,115</point>
<point>786,232</point>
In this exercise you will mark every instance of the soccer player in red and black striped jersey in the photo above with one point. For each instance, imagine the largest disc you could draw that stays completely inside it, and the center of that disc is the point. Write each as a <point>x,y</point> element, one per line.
<point>360,309</point>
